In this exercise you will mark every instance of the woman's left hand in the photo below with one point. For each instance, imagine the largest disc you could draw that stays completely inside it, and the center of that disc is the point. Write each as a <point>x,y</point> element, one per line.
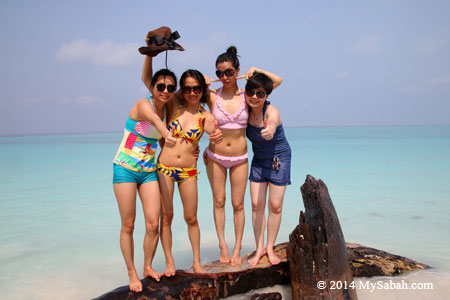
<point>196,153</point>
<point>267,132</point>
<point>216,136</point>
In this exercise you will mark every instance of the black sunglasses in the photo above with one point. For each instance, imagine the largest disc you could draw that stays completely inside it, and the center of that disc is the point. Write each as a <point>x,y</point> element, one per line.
<point>259,94</point>
<point>170,87</point>
<point>188,89</point>
<point>229,72</point>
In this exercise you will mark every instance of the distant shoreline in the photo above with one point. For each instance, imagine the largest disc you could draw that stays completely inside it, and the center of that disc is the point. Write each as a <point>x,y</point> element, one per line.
<point>305,126</point>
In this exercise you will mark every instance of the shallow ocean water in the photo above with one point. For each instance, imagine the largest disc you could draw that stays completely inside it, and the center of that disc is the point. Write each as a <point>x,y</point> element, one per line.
<point>59,222</point>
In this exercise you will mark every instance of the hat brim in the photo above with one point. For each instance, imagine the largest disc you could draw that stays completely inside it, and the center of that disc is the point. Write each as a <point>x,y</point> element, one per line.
<point>153,50</point>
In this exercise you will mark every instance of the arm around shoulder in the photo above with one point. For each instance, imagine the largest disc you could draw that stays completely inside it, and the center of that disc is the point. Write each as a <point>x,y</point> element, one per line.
<point>208,122</point>
<point>145,112</point>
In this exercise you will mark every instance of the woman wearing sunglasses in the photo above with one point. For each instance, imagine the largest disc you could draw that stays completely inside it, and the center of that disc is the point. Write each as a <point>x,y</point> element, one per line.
<point>271,164</point>
<point>178,164</point>
<point>135,170</point>
<point>228,106</point>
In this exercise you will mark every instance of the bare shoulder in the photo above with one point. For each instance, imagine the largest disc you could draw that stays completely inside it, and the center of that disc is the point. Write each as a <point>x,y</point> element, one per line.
<point>140,104</point>
<point>273,114</point>
<point>143,101</point>
<point>272,109</point>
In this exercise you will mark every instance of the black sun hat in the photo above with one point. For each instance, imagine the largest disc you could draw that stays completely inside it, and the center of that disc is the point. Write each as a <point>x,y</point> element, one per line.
<point>160,40</point>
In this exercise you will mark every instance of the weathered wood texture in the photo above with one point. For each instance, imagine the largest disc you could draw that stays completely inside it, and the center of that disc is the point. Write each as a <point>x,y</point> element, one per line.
<point>364,262</point>
<point>316,249</point>
<point>266,296</point>
<point>223,280</point>
<point>368,262</point>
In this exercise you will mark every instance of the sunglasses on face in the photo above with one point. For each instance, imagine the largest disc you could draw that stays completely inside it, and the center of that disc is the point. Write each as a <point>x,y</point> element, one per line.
<point>170,87</point>
<point>259,94</point>
<point>229,72</point>
<point>188,89</point>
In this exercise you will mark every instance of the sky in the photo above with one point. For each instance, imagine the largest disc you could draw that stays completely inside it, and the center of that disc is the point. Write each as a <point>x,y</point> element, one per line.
<point>74,67</point>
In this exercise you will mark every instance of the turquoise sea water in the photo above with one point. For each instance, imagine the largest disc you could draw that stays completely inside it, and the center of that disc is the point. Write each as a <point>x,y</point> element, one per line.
<point>59,222</point>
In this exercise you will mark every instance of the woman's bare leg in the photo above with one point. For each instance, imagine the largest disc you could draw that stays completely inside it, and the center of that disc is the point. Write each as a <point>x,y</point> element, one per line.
<point>126,199</point>
<point>258,192</point>
<point>189,197</point>
<point>217,176</point>
<point>238,179</point>
<point>166,186</point>
<point>151,205</point>
<point>276,195</point>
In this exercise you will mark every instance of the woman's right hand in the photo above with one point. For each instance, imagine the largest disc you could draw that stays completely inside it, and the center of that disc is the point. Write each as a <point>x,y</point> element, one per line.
<point>169,140</point>
<point>208,80</point>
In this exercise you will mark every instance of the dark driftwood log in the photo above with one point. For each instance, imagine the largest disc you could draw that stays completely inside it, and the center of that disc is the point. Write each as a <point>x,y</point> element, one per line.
<point>368,262</point>
<point>223,280</point>
<point>364,262</point>
<point>266,296</point>
<point>316,249</point>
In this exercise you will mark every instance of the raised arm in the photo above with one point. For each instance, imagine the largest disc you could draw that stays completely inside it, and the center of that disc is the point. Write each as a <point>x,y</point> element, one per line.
<point>277,80</point>
<point>147,71</point>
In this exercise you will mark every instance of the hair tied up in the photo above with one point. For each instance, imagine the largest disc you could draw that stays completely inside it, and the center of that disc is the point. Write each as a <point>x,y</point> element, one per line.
<point>232,50</point>
<point>230,56</point>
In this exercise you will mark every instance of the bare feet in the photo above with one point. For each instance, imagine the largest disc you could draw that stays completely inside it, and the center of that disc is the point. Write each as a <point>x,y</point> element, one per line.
<point>149,272</point>
<point>236,258</point>
<point>224,256</point>
<point>135,283</point>
<point>255,259</point>
<point>198,268</point>
<point>170,270</point>
<point>274,260</point>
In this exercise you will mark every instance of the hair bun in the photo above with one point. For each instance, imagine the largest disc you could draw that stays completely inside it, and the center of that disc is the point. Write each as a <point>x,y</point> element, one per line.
<point>232,50</point>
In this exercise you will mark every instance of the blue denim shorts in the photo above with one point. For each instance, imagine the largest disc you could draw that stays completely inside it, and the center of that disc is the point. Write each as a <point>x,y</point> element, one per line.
<point>121,174</point>
<point>261,172</point>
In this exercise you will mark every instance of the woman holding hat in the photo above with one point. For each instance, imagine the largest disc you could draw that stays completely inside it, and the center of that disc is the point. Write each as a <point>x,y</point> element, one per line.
<point>188,122</point>
<point>135,170</point>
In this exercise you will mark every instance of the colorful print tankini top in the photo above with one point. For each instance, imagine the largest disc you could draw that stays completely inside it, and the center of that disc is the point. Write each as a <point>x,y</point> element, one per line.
<point>139,144</point>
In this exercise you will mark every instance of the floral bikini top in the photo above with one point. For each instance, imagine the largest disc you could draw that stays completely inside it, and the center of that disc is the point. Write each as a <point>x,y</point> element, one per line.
<point>191,136</point>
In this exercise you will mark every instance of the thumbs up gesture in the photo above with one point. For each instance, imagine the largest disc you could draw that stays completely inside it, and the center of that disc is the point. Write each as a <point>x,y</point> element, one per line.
<point>170,141</point>
<point>267,132</point>
<point>216,136</point>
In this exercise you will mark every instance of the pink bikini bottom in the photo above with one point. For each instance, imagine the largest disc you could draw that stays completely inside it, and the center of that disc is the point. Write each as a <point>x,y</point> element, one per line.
<point>226,161</point>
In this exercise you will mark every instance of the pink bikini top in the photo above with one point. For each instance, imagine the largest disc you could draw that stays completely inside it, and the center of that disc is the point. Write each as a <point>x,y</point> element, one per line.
<point>226,120</point>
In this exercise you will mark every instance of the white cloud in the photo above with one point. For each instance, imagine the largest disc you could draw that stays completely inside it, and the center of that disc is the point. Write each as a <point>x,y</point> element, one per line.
<point>89,100</point>
<point>367,45</point>
<point>427,85</point>
<point>342,75</point>
<point>106,52</point>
